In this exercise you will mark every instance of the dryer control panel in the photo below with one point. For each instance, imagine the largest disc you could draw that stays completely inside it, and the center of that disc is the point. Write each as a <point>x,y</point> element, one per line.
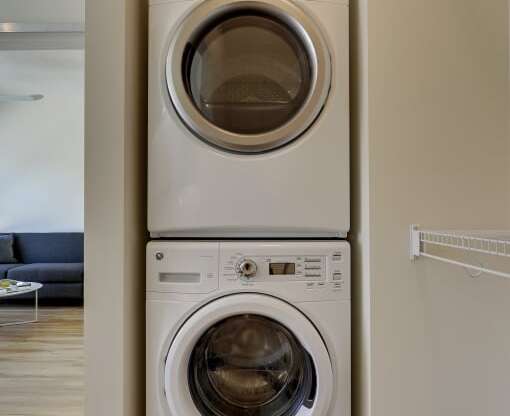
<point>310,270</point>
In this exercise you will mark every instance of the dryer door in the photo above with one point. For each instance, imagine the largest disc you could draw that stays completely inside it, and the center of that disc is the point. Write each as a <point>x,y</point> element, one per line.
<point>245,355</point>
<point>248,76</point>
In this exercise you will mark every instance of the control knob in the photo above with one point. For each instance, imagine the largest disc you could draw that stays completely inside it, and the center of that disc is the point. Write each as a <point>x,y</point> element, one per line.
<point>247,268</point>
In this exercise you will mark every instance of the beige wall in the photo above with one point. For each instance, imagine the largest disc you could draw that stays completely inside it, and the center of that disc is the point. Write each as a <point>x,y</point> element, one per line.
<point>433,148</point>
<point>115,201</point>
<point>361,212</point>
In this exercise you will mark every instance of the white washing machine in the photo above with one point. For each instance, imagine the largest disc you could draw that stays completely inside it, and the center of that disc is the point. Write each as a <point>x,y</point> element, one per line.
<point>249,118</point>
<point>248,328</point>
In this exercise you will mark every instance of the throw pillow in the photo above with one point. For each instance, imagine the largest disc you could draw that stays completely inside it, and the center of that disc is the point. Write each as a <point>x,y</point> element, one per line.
<point>7,249</point>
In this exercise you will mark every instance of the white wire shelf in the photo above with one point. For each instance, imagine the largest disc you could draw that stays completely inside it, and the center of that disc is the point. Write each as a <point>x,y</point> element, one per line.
<point>42,36</point>
<point>490,243</point>
<point>16,98</point>
<point>22,27</point>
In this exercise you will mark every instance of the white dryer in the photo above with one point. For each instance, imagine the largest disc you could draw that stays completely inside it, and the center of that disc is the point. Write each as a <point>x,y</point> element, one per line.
<point>249,118</point>
<point>248,328</point>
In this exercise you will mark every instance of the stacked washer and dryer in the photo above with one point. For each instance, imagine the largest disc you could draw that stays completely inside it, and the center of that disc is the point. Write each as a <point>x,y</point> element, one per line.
<point>248,273</point>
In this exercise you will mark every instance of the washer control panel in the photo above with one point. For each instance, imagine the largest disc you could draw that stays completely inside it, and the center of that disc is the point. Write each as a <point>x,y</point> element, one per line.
<point>316,267</point>
<point>306,270</point>
<point>277,268</point>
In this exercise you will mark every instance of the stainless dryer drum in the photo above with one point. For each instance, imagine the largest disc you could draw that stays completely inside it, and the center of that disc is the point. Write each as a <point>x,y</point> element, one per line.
<point>248,76</point>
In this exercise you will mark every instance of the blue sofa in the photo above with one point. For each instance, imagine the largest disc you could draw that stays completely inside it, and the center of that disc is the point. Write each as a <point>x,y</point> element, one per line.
<point>53,259</point>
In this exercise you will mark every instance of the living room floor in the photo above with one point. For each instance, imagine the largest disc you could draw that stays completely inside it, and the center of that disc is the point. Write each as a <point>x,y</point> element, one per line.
<point>42,364</point>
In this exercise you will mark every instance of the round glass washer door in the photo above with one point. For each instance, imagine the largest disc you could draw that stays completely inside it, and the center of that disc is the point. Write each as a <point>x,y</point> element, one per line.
<point>247,355</point>
<point>250,364</point>
<point>248,76</point>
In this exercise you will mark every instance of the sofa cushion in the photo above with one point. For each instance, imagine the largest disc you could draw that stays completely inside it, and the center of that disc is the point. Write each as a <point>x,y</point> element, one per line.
<point>49,247</point>
<point>7,249</point>
<point>5,267</point>
<point>48,273</point>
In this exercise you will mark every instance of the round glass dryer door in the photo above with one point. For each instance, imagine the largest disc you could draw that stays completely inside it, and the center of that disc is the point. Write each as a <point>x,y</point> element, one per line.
<point>250,365</point>
<point>248,76</point>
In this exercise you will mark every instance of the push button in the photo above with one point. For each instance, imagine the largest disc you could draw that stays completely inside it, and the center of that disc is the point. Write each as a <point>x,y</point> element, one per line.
<point>312,267</point>
<point>312,260</point>
<point>337,256</point>
<point>337,276</point>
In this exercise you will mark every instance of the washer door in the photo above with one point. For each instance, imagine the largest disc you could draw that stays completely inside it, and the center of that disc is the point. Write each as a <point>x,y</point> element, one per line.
<point>247,355</point>
<point>248,76</point>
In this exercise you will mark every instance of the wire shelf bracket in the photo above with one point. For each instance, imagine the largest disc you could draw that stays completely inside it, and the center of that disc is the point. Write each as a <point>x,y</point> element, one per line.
<point>492,243</point>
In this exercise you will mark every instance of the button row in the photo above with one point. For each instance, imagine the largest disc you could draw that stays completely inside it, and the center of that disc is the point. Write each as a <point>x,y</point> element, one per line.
<point>336,286</point>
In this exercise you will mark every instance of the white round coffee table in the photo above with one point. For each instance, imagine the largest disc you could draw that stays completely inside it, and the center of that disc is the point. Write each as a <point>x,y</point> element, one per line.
<point>33,288</point>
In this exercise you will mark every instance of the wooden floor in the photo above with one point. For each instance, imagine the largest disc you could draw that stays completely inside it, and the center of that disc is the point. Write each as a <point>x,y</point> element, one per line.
<point>42,364</point>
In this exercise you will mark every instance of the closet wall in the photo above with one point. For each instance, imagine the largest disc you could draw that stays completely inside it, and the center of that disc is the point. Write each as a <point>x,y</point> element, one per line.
<point>115,206</point>
<point>431,146</point>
